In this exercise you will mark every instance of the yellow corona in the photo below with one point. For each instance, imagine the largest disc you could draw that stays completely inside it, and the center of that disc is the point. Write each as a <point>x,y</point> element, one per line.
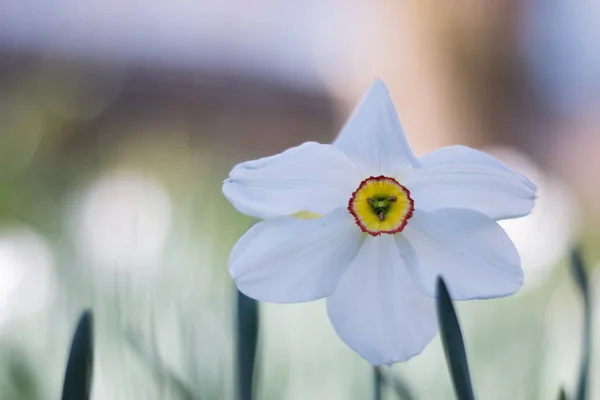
<point>381,205</point>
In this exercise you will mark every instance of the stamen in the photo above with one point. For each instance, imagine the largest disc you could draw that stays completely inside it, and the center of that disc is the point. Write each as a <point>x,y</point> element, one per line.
<point>392,199</point>
<point>370,201</point>
<point>381,216</point>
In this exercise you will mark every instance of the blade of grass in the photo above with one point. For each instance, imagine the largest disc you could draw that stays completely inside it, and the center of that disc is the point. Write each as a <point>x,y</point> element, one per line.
<point>562,395</point>
<point>77,384</point>
<point>150,357</point>
<point>377,383</point>
<point>579,275</point>
<point>400,387</point>
<point>454,346</point>
<point>247,341</point>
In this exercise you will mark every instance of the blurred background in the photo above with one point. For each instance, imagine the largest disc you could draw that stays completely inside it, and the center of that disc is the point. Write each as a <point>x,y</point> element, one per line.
<point>119,120</point>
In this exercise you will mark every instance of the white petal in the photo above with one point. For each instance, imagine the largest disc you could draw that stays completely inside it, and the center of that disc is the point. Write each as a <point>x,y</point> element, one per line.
<point>288,260</point>
<point>469,250</point>
<point>460,177</point>
<point>311,177</point>
<point>377,310</point>
<point>373,137</point>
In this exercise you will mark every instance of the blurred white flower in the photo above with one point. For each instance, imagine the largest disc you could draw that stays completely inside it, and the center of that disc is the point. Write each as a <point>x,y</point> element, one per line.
<point>27,280</point>
<point>544,236</point>
<point>339,224</point>
<point>123,220</point>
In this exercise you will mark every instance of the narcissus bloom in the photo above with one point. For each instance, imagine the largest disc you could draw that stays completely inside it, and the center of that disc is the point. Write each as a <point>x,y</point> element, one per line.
<point>370,226</point>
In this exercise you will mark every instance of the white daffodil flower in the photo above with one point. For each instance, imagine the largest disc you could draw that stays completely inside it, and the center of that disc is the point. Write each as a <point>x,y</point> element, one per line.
<point>370,226</point>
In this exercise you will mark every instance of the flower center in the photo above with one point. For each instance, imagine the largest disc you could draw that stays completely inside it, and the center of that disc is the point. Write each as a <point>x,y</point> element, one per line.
<point>381,205</point>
